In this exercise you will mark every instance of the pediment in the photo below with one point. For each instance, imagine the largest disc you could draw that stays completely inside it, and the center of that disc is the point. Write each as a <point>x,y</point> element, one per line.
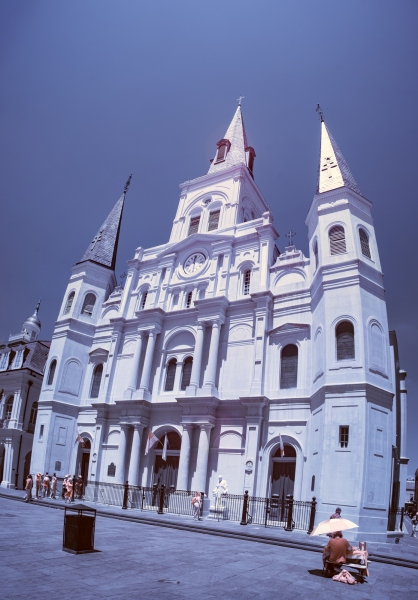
<point>99,352</point>
<point>290,328</point>
<point>193,240</point>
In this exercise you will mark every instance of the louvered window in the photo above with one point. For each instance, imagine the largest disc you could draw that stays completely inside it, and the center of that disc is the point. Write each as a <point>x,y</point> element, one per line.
<point>377,348</point>
<point>344,429</point>
<point>97,379</point>
<point>289,367</point>
<point>214,220</point>
<point>337,240</point>
<point>69,303</point>
<point>187,372</point>
<point>315,249</point>
<point>247,282</point>
<point>88,305</point>
<point>9,409</point>
<point>144,300</point>
<point>221,153</point>
<point>345,340</point>
<point>51,372</point>
<point>364,243</point>
<point>170,376</point>
<point>194,225</point>
<point>189,299</point>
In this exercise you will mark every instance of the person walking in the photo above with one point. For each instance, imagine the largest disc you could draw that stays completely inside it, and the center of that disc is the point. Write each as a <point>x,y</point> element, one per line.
<point>28,488</point>
<point>53,486</point>
<point>69,491</point>
<point>197,504</point>
<point>45,486</point>
<point>414,524</point>
<point>38,483</point>
<point>64,487</point>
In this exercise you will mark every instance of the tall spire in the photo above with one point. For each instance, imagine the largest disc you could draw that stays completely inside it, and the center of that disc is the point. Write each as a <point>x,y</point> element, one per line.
<point>234,146</point>
<point>333,171</point>
<point>104,246</point>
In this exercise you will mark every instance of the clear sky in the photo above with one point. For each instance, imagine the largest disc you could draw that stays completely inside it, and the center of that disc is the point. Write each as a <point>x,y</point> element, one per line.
<point>92,91</point>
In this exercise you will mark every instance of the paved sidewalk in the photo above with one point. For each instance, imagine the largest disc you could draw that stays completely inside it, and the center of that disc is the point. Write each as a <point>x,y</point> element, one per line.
<point>134,561</point>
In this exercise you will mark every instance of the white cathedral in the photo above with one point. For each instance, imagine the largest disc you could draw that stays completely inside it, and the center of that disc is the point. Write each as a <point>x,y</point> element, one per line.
<point>233,349</point>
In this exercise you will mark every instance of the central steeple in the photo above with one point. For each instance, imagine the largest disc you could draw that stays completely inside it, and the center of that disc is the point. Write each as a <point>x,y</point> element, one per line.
<point>233,148</point>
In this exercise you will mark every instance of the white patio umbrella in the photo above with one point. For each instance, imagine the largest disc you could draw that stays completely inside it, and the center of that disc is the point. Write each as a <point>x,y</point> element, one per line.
<point>333,525</point>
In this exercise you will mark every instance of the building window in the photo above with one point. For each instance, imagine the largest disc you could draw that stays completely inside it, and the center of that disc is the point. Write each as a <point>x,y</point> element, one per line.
<point>223,147</point>
<point>97,379</point>
<point>344,436</point>
<point>41,432</point>
<point>337,240</point>
<point>364,243</point>
<point>9,409</point>
<point>313,483</point>
<point>170,375</point>
<point>214,220</point>
<point>17,361</point>
<point>247,281</point>
<point>344,334</point>
<point>32,417</point>
<point>144,300</point>
<point>51,372</point>
<point>315,251</point>
<point>194,225</point>
<point>88,305</point>
<point>4,361</point>
<point>189,299</point>
<point>289,367</point>
<point>186,373</point>
<point>69,303</point>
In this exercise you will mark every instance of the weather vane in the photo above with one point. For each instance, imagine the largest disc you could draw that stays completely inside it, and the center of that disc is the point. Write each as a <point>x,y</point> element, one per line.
<point>290,235</point>
<point>127,184</point>
<point>320,113</point>
<point>240,99</point>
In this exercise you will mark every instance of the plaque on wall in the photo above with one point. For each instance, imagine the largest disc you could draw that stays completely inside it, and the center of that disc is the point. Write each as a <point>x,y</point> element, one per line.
<point>58,465</point>
<point>111,470</point>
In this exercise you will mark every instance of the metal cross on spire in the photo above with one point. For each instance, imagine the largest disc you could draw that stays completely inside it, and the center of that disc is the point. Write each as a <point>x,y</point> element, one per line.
<point>127,184</point>
<point>96,239</point>
<point>240,99</point>
<point>320,113</point>
<point>290,235</point>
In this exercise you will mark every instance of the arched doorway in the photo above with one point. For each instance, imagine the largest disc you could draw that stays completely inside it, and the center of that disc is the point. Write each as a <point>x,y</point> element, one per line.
<point>283,472</point>
<point>26,467</point>
<point>165,471</point>
<point>84,459</point>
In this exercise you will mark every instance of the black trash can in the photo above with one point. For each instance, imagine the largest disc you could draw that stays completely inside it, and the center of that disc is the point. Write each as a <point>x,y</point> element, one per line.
<point>79,524</point>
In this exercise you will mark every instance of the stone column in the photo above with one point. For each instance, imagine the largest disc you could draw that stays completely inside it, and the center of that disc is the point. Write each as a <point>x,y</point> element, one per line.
<point>133,377</point>
<point>210,376</point>
<point>120,465</point>
<point>8,464</point>
<point>183,473</point>
<point>202,458</point>
<point>146,371</point>
<point>133,476</point>
<point>197,362</point>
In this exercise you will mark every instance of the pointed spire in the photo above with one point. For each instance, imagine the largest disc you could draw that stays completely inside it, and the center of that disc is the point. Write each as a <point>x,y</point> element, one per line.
<point>333,170</point>
<point>104,246</point>
<point>235,146</point>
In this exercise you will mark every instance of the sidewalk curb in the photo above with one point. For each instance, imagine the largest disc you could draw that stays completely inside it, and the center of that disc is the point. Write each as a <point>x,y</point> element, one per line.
<point>249,537</point>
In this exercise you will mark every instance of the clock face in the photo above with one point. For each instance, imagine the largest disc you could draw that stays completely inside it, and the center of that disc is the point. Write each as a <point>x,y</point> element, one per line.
<point>194,263</point>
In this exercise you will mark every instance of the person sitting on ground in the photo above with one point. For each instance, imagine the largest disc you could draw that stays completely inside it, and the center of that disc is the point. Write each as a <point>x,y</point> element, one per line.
<point>337,549</point>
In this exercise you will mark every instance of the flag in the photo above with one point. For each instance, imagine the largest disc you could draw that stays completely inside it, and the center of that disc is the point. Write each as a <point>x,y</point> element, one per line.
<point>164,456</point>
<point>281,445</point>
<point>80,440</point>
<point>151,441</point>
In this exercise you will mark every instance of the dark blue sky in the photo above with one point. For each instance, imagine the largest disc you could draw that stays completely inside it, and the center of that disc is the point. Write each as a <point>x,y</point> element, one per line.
<point>92,91</point>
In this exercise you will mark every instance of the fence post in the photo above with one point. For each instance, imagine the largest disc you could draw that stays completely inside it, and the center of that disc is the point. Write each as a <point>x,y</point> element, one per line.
<point>244,509</point>
<point>143,499</point>
<point>267,512</point>
<point>401,525</point>
<point>289,501</point>
<point>161,502</point>
<point>313,511</point>
<point>125,495</point>
<point>202,497</point>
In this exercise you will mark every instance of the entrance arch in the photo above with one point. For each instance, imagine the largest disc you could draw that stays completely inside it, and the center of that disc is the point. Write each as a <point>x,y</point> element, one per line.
<point>83,459</point>
<point>283,472</point>
<point>166,471</point>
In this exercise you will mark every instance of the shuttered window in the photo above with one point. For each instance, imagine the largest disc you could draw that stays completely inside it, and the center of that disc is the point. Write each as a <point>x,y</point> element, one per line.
<point>345,340</point>
<point>69,304</point>
<point>97,379</point>
<point>88,305</point>
<point>194,225</point>
<point>289,367</point>
<point>170,376</point>
<point>337,240</point>
<point>144,300</point>
<point>247,282</point>
<point>364,243</point>
<point>214,220</point>
<point>221,153</point>
<point>315,250</point>
<point>51,372</point>
<point>187,372</point>
<point>9,409</point>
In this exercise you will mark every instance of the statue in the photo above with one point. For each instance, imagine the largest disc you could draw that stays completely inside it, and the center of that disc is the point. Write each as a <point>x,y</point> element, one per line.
<point>220,489</point>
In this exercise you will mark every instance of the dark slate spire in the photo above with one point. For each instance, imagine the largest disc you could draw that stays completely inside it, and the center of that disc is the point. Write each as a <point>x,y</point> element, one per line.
<point>104,246</point>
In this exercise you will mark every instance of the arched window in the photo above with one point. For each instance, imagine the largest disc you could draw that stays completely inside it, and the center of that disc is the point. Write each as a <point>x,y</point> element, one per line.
<point>189,298</point>
<point>9,408</point>
<point>337,240</point>
<point>214,220</point>
<point>223,148</point>
<point>144,300</point>
<point>315,251</point>
<point>88,305</point>
<point>289,367</point>
<point>377,351</point>
<point>51,372</point>
<point>247,282</point>
<point>170,375</point>
<point>364,243</point>
<point>97,379</point>
<point>344,334</point>
<point>69,303</point>
<point>194,225</point>
<point>187,372</point>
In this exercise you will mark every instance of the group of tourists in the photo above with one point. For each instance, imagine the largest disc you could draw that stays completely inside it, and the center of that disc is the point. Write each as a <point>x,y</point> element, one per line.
<point>46,487</point>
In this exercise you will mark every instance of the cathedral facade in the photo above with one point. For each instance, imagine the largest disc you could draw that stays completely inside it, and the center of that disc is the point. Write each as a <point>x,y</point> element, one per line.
<point>274,369</point>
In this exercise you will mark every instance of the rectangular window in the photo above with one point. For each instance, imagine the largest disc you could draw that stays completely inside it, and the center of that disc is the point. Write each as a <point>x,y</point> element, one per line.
<point>144,300</point>
<point>221,153</point>
<point>344,436</point>
<point>379,441</point>
<point>41,432</point>
<point>194,225</point>
<point>214,220</point>
<point>17,362</point>
<point>189,299</point>
<point>247,281</point>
